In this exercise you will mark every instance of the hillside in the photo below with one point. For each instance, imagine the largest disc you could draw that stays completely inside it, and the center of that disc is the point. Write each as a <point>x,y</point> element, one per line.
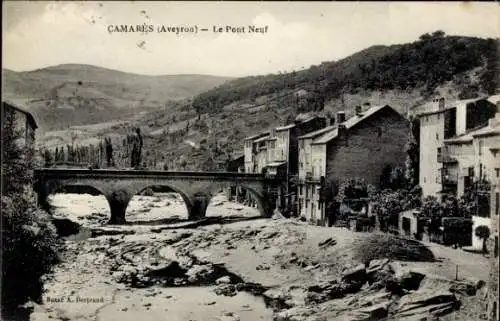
<point>74,94</point>
<point>199,134</point>
<point>424,64</point>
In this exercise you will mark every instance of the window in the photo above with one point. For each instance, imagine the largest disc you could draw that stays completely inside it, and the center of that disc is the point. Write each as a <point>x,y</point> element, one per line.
<point>496,246</point>
<point>497,171</point>
<point>497,200</point>
<point>471,171</point>
<point>437,136</point>
<point>439,154</point>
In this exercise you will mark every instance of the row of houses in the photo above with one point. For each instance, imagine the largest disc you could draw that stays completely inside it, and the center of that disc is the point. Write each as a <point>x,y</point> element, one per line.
<point>460,152</point>
<point>316,150</point>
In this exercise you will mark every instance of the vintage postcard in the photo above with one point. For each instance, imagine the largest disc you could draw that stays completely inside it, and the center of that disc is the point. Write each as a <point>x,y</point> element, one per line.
<point>250,161</point>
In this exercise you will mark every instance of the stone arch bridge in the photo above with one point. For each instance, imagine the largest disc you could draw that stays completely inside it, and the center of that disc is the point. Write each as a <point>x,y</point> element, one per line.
<point>119,186</point>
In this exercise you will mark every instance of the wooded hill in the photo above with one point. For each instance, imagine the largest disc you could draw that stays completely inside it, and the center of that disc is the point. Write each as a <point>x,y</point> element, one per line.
<point>425,64</point>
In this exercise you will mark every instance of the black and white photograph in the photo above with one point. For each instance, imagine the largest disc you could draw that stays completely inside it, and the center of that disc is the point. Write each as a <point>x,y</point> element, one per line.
<point>246,161</point>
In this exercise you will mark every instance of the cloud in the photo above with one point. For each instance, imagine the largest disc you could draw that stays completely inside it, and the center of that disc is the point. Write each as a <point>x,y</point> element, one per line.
<point>298,34</point>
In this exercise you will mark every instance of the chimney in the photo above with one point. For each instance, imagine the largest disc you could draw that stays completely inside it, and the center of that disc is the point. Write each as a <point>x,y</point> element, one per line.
<point>273,132</point>
<point>359,111</point>
<point>341,131</point>
<point>441,103</point>
<point>340,116</point>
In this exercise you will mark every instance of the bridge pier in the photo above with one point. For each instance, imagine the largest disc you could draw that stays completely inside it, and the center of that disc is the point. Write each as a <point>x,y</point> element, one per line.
<point>198,209</point>
<point>43,201</point>
<point>118,202</point>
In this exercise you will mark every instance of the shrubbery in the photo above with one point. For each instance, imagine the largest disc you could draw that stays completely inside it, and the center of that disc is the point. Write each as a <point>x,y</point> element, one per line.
<point>29,245</point>
<point>29,240</point>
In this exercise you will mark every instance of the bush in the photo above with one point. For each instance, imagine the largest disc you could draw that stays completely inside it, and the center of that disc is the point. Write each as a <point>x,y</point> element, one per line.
<point>29,240</point>
<point>29,243</point>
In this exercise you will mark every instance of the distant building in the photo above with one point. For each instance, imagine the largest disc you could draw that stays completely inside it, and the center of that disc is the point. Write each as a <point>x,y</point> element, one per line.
<point>253,146</point>
<point>25,122</point>
<point>237,165</point>
<point>276,153</point>
<point>443,123</point>
<point>283,151</point>
<point>360,147</point>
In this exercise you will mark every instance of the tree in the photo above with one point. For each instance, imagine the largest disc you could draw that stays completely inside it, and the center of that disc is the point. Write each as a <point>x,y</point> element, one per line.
<point>29,241</point>
<point>483,232</point>
<point>413,151</point>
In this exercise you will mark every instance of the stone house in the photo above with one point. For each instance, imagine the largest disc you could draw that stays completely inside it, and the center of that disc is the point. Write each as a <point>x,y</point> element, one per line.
<point>250,151</point>
<point>283,151</point>
<point>444,122</point>
<point>276,152</point>
<point>359,147</point>
<point>25,122</point>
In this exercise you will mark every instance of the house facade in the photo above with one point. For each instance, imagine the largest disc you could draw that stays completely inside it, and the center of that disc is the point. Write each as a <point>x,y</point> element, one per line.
<point>250,151</point>
<point>276,153</point>
<point>359,147</point>
<point>24,122</point>
<point>309,176</point>
<point>445,123</point>
<point>493,313</point>
<point>474,163</point>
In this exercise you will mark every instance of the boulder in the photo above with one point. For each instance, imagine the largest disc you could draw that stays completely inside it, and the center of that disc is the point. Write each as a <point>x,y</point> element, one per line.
<point>355,275</point>
<point>225,289</point>
<point>325,292</point>
<point>294,314</point>
<point>65,227</point>
<point>223,280</point>
<point>423,303</point>
<point>200,274</point>
<point>276,298</point>
<point>169,269</point>
<point>372,312</point>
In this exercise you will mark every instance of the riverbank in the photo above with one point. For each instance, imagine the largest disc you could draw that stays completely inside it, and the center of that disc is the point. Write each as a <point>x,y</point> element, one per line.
<point>237,266</point>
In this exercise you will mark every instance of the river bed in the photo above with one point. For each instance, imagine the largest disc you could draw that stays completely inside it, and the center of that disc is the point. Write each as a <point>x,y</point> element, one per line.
<point>81,287</point>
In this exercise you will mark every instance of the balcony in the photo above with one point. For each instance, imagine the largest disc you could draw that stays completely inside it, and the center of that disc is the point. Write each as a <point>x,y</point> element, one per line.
<point>444,156</point>
<point>449,178</point>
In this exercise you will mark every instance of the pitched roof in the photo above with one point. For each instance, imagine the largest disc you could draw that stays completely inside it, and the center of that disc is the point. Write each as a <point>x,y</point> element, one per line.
<point>261,139</point>
<point>351,122</point>
<point>494,99</point>
<point>254,137</point>
<point>453,104</point>
<point>23,110</point>
<point>318,132</point>
<point>491,128</point>
<point>289,126</point>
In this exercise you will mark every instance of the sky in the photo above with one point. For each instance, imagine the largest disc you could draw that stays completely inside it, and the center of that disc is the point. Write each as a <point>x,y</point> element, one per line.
<point>299,34</point>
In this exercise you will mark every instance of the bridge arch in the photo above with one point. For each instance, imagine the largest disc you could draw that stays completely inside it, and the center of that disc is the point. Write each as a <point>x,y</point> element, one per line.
<point>119,186</point>
<point>55,186</point>
<point>188,202</point>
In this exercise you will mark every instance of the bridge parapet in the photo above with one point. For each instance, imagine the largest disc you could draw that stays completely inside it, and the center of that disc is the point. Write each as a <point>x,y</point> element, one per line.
<point>119,186</point>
